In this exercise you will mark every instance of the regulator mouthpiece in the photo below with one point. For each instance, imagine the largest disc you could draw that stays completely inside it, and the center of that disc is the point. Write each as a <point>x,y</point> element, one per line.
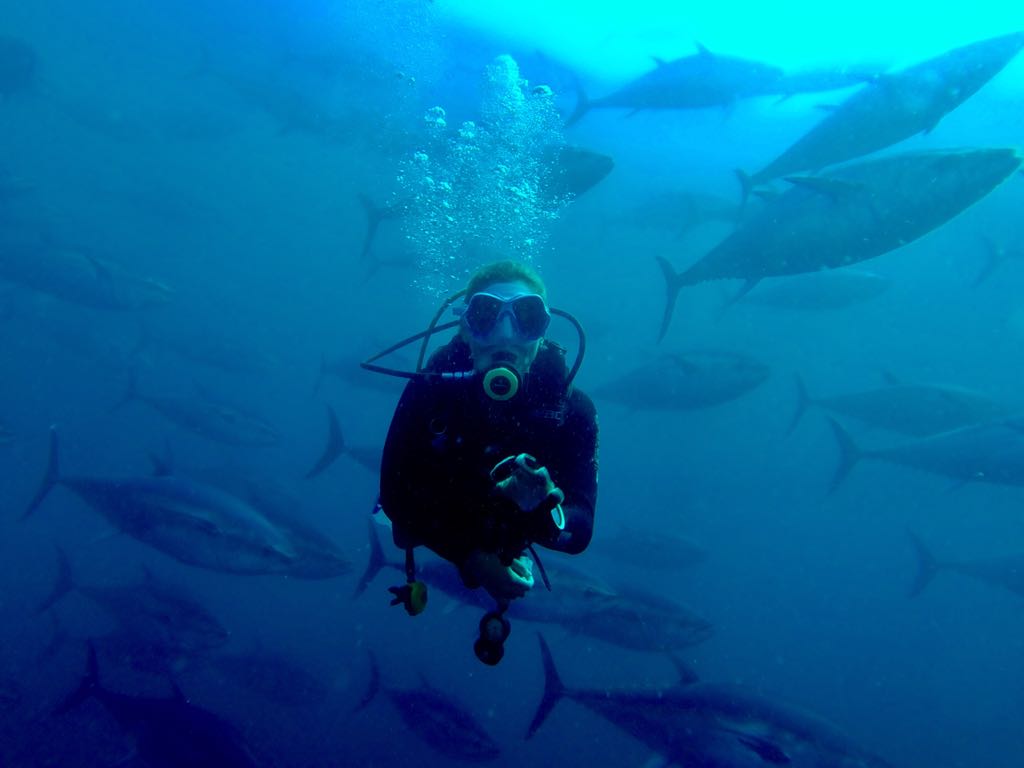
<point>501,383</point>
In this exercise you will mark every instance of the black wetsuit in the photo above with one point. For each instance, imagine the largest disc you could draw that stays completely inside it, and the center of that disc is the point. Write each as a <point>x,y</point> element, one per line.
<point>445,438</point>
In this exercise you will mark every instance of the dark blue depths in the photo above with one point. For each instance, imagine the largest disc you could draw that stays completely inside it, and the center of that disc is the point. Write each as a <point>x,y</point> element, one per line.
<point>809,542</point>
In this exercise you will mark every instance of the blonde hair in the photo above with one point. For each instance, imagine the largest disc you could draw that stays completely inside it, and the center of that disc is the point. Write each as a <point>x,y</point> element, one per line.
<point>506,272</point>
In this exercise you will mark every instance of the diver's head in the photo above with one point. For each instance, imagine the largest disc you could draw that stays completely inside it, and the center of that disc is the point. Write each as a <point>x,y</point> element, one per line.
<point>504,319</point>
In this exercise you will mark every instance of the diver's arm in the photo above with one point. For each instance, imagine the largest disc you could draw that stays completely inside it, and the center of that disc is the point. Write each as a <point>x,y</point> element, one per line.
<point>413,490</point>
<point>401,474</point>
<point>575,473</point>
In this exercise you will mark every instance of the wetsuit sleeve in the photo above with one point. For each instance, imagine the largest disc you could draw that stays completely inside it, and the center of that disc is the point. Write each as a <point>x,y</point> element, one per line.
<point>574,471</point>
<point>415,493</point>
<point>399,474</point>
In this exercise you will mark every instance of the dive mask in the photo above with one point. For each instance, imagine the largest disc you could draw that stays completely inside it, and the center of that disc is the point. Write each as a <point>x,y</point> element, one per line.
<point>528,312</point>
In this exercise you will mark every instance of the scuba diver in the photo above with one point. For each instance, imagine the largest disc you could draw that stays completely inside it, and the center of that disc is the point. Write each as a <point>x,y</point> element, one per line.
<point>491,449</point>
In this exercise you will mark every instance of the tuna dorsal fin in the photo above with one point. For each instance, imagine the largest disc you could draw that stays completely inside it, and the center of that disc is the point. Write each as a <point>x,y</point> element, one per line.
<point>834,189</point>
<point>658,61</point>
<point>703,51</point>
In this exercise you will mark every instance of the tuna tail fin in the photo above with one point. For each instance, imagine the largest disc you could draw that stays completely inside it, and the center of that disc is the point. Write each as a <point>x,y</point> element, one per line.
<point>65,583</point>
<point>50,479</point>
<point>746,187</point>
<point>89,686</point>
<point>582,106</point>
<point>849,454</point>
<point>333,449</point>
<point>374,216</point>
<point>803,400</point>
<point>672,285</point>
<point>927,566</point>
<point>994,256</point>
<point>554,689</point>
<point>375,563</point>
<point>373,686</point>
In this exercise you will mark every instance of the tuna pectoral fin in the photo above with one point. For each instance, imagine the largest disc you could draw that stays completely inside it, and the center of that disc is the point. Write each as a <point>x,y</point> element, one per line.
<point>50,479</point>
<point>333,449</point>
<point>553,689</point>
<point>748,285</point>
<point>763,748</point>
<point>89,686</point>
<point>375,563</point>
<point>849,454</point>
<point>373,685</point>
<point>927,566</point>
<point>803,400</point>
<point>582,106</point>
<point>746,187</point>
<point>994,256</point>
<point>672,286</point>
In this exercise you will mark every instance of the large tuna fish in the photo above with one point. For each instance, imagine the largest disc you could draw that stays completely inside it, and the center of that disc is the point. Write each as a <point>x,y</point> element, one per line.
<point>194,523</point>
<point>1006,572</point>
<point>894,107</point>
<point>848,215</point>
<point>625,617</point>
<point>164,614</point>
<point>686,381</point>
<point>703,79</point>
<point>916,410</point>
<point>165,731</point>
<point>205,416</point>
<point>74,275</point>
<point>447,727</point>
<point>984,453</point>
<point>716,726</point>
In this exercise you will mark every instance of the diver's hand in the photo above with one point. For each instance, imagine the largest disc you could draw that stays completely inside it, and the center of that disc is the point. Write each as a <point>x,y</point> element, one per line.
<point>503,582</point>
<point>523,481</point>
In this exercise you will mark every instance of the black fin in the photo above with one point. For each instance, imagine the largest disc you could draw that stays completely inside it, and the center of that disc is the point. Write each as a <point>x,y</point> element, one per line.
<point>672,286</point>
<point>333,449</point>
<point>554,689</point>
<point>927,566</point>
<point>687,676</point>
<point>803,400</point>
<point>375,563</point>
<point>763,748</point>
<point>582,106</point>
<point>374,216</point>
<point>50,479</point>
<point>746,187</point>
<point>373,685</point>
<point>849,454</point>
<point>994,256</point>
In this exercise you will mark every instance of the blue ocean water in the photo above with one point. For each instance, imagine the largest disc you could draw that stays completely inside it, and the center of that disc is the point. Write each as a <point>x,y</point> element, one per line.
<point>184,202</point>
